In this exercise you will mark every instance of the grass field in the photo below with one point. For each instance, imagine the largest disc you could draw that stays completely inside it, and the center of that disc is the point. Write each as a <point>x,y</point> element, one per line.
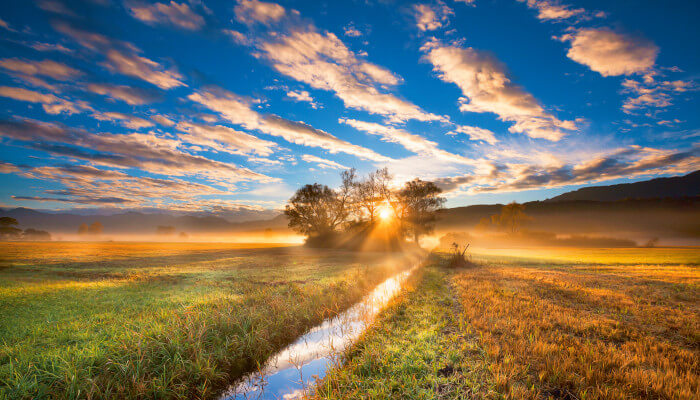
<point>161,320</point>
<point>602,327</point>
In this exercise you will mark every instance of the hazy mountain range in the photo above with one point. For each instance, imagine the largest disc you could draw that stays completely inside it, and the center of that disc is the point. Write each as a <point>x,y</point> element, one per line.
<point>674,187</point>
<point>668,206</point>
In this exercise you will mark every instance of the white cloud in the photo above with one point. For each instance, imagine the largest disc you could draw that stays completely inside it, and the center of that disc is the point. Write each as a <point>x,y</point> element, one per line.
<point>50,103</point>
<point>302,95</point>
<point>146,151</point>
<point>49,68</point>
<point>322,162</point>
<point>226,139</point>
<point>324,62</point>
<point>475,133</point>
<point>413,143</point>
<point>553,10</point>
<point>130,95</point>
<point>610,53</point>
<point>351,31</point>
<point>173,13</point>
<point>250,11</point>
<point>143,68</point>
<point>237,37</point>
<point>163,120</point>
<point>237,110</point>
<point>127,121</point>
<point>488,88</point>
<point>431,17</point>
<point>625,162</point>
<point>5,25</point>
<point>122,57</point>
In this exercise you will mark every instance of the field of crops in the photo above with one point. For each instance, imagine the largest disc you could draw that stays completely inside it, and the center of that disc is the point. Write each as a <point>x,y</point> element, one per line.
<point>162,320</point>
<point>599,327</point>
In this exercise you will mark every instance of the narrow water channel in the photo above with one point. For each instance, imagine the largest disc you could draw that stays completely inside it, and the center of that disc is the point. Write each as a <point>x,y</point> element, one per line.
<point>292,372</point>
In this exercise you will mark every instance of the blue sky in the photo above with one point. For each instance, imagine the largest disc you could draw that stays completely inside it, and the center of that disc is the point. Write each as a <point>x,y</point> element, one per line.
<point>225,106</point>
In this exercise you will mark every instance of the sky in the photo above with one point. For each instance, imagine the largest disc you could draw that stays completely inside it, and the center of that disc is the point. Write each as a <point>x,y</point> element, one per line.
<point>228,106</point>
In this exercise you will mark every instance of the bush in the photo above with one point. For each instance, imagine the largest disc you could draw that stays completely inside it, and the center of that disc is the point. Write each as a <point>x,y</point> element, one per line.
<point>459,257</point>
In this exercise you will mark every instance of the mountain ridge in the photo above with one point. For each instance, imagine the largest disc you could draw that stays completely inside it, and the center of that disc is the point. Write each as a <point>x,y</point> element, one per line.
<point>657,188</point>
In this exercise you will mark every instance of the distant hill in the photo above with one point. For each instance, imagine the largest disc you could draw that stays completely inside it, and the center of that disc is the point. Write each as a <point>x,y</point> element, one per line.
<point>638,219</point>
<point>664,207</point>
<point>675,187</point>
<point>136,222</point>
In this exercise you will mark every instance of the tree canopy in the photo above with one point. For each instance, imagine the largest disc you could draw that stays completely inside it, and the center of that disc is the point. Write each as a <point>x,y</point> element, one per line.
<point>361,205</point>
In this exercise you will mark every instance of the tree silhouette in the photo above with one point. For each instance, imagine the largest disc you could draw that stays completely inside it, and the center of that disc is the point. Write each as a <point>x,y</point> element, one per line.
<point>511,217</point>
<point>419,202</point>
<point>8,228</point>
<point>314,210</point>
<point>95,228</point>
<point>349,212</point>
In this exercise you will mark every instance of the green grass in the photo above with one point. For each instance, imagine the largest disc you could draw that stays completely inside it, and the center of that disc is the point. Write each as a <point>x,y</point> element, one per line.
<point>161,321</point>
<point>418,349</point>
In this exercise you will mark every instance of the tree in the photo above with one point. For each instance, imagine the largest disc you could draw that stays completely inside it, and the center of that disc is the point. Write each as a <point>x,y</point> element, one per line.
<point>369,196</point>
<point>511,217</point>
<point>95,228</point>
<point>419,201</point>
<point>314,210</point>
<point>8,228</point>
<point>35,234</point>
<point>346,216</point>
<point>83,229</point>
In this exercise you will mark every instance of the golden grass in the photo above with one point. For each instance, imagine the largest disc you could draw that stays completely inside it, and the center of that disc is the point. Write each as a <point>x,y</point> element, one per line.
<point>57,252</point>
<point>564,255</point>
<point>599,332</point>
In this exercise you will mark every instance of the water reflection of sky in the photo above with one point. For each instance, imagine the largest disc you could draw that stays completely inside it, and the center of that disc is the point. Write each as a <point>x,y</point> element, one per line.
<point>290,372</point>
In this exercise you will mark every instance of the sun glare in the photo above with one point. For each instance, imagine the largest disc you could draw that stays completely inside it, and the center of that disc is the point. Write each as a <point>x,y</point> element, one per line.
<point>384,214</point>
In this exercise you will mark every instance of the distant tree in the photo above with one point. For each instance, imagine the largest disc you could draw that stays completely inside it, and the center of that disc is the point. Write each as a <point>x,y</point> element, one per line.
<point>420,200</point>
<point>511,218</point>
<point>166,230</point>
<point>653,242</point>
<point>35,234</point>
<point>95,228</point>
<point>184,235</point>
<point>83,229</point>
<point>8,228</point>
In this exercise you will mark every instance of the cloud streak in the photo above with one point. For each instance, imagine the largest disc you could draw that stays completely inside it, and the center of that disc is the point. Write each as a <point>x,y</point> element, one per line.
<point>237,111</point>
<point>176,14</point>
<point>488,88</point>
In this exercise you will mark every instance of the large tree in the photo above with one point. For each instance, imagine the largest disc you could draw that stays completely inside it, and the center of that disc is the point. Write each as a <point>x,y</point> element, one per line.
<point>322,213</point>
<point>419,202</point>
<point>315,210</point>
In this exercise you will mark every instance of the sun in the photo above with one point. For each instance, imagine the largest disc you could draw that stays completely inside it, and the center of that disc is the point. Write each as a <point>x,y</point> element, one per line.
<point>384,214</point>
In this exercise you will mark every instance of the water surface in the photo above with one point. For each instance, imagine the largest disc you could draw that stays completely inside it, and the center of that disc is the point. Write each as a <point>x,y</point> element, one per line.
<point>292,372</point>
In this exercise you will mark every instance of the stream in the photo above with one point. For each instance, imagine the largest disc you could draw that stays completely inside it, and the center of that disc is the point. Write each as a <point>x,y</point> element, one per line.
<point>293,371</point>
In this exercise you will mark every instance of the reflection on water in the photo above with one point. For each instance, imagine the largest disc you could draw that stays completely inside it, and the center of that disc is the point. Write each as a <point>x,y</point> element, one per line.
<point>289,373</point>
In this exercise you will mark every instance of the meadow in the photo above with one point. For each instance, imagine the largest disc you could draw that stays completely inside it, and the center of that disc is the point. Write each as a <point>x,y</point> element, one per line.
<point>592,324</point>
<point>162,320</point>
